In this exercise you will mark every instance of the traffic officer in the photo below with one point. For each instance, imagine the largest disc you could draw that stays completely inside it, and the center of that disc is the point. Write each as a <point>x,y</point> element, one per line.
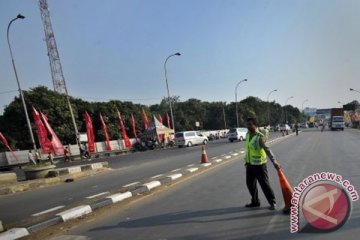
<point>257,152</point>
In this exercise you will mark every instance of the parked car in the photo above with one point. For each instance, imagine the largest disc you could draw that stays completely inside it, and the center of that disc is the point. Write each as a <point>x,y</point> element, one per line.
<point>276,128</point>
<point>190,138</point>
<point>284,127</point>
<point>237,134</point>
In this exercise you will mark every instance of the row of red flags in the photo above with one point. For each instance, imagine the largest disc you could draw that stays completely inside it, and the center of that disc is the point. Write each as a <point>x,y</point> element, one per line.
<point>128,144</point>
<point>49,142</point>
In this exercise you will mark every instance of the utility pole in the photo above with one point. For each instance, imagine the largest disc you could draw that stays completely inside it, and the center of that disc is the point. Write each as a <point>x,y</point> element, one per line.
<point>224,116</point>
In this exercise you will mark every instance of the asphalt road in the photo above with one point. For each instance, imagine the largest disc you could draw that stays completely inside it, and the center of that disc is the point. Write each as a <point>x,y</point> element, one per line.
<point>126,169</point>
<point>211,205</point>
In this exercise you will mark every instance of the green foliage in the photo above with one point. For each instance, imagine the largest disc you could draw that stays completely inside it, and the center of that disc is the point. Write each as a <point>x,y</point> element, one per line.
<point>54,105</point>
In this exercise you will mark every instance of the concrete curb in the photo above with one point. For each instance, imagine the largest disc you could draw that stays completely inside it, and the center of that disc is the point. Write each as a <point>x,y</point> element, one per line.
<point>76,169</point>
<point>135,190</point>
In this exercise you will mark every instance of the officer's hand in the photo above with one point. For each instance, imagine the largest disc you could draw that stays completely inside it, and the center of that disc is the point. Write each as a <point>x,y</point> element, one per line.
<point>277,165</point>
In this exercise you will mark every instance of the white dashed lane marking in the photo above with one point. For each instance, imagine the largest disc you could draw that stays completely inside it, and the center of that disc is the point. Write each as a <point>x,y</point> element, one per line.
<point>131,184</point>
<point>97,195</point>
<point>47,211</point>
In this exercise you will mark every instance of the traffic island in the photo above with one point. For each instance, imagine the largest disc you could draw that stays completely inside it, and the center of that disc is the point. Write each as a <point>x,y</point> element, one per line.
<point>36,172</point>
<point>53,176</point>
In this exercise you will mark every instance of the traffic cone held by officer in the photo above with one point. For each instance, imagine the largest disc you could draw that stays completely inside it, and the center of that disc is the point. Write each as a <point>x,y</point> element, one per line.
<point>256,153</point>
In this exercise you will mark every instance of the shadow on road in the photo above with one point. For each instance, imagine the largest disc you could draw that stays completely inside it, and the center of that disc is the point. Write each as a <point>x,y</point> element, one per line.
<point>192,217</point>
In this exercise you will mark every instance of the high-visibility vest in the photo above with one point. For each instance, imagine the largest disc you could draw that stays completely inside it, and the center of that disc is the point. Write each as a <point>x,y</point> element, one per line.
<point>255,155</point>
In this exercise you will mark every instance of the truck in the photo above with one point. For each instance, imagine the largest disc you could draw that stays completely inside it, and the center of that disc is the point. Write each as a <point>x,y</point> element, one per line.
<point>337,119</point>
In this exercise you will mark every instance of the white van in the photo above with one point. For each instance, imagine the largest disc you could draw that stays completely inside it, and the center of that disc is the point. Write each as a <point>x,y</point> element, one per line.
<point>190,138</point>
<point>237,134</point>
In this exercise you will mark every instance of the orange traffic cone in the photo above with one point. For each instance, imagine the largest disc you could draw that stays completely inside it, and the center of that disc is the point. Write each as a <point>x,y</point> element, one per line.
<point>286,189</point>
<point>204,158</point>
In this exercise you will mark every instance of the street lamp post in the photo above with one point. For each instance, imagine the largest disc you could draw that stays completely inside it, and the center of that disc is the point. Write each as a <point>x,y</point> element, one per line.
<point>286,121</point>
<point>236,103</point>
<point>267,99</point>
<point>19,16</point>
<point>302,105</point>
<point>168,92</point>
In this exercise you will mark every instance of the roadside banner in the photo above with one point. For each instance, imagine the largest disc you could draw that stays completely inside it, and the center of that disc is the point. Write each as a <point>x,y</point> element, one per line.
<point>160,119</point>
<point>90,132</point>
<point>3,139</point>
<point>44,141</point>
<point>57,146</point>
<point>123,130</point>
<point>146,120</point>
<point>108,146</point>
<point>133,123</point>
<point>168,120</point>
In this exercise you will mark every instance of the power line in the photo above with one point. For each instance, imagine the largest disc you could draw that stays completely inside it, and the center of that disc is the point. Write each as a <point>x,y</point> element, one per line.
<point>9,91</point>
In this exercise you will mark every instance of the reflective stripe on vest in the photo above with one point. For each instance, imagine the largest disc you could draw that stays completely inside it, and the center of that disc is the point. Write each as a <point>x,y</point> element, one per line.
<point>255,155</point>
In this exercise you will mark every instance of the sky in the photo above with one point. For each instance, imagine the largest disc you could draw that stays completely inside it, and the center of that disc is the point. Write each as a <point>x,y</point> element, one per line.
<point>115,49</point>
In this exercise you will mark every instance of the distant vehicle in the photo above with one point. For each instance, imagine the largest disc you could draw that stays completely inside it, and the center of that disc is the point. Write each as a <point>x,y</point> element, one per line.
<point>303,125</point>
<point>237,134</point>
<point>276,128</point>
<point>284,127</point>
<point>311,125</point>
<point>190,138</point>
<point>337,119</point>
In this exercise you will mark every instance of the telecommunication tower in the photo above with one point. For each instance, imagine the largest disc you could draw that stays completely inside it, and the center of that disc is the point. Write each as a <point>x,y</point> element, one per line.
<point>55,64</point>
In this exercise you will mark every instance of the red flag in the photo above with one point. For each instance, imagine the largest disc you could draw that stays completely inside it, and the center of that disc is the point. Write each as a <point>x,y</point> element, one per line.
<point>108,146</point>
<point>133,123</point>
<point>160,119</point>
<point>3,139</point>
<point>90,133</point>
<point>57,146</point>
<point>44,141</point>
<point>123,129</point>
<point>168,120</point>
<point>146,120</point>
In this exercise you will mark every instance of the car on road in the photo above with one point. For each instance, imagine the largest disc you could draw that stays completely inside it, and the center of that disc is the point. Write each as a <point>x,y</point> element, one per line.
<point>284,127</point>
<point>276,128</point>
<point>190,138</point>
<point>237,134</point>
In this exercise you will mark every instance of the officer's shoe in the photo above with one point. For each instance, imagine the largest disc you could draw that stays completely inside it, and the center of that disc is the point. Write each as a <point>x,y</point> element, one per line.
<point>272,207</point>
<point>252,205</point>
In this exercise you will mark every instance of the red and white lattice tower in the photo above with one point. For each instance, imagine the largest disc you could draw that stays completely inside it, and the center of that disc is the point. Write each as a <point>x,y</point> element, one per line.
<point>55,64</point>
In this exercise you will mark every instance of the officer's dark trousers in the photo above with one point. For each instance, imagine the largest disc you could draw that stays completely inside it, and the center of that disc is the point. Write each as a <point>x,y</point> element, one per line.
<point>259,173</point>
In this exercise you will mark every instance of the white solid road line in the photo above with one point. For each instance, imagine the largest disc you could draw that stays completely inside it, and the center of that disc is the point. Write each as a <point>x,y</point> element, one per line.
<point>47,211</point>
<point>131,184</point>
<point>97,195</point>
<point>156,176</point>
